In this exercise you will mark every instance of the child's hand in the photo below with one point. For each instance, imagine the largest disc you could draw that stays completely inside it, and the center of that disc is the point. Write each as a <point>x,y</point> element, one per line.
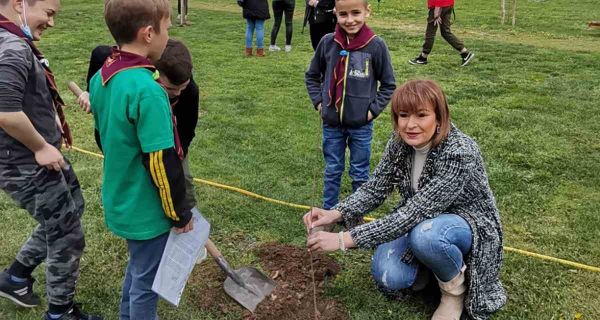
<point>437,18</point>
<point>48,156</point>
<point>84,101</point>
<point>313,3</point>
<point>319,107</point>
<point>369,115</point>
<point>189,227</point>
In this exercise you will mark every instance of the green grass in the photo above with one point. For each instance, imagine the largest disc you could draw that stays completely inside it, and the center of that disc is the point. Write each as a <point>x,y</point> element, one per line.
<point>530,99</point>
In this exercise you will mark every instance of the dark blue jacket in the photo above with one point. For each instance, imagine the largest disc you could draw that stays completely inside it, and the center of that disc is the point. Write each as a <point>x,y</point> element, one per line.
<point>367,67</point>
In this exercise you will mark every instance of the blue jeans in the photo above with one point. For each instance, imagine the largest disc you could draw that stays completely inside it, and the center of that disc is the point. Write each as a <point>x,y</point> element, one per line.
<point>259,25</point>
<point>139,301</point>
<point>438,244</point>
<point>335,141</point>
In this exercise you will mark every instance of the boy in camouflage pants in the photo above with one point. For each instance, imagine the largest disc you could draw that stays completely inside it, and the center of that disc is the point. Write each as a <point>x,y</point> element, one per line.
<point>32,169</point>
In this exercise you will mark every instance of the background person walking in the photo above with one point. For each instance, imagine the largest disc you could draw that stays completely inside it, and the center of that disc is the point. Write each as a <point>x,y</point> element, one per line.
<point>440,14</point>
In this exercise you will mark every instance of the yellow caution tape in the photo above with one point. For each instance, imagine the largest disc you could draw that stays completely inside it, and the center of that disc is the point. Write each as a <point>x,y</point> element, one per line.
<point>304,207</point>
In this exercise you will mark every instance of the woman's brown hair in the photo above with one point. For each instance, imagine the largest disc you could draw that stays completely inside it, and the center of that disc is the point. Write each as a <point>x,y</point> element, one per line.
<point>416,94</point>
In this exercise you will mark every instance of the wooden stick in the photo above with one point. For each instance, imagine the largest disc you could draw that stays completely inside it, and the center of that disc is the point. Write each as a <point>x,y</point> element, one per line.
<point>514,17</point>
<point>503,8</point>
<point>75,89</point>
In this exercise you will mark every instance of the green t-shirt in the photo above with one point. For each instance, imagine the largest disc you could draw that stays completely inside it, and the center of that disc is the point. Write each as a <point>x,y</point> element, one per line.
<point>133,116</point>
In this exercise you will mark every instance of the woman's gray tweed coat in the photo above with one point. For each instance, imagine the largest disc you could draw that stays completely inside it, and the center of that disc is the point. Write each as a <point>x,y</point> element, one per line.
<point>453,181</point>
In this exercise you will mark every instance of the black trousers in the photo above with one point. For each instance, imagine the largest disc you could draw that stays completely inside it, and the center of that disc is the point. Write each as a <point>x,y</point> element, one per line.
<point>279,8</point>
<point>447,34</point>
<point>318,30</point>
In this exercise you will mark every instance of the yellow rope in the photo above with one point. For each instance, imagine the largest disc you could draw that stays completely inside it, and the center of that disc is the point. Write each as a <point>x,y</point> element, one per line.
<point>299,206</point>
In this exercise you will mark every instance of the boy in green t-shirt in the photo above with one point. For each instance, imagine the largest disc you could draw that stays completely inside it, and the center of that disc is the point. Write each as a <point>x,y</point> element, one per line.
<point>143,183</point>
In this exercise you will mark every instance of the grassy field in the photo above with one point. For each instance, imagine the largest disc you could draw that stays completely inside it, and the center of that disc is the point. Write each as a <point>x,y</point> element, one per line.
<point>530,99</point>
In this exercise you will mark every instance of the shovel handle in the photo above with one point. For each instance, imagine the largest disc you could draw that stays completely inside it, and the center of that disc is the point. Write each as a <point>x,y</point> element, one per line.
<point>212,249</point>
<point>75,89</point>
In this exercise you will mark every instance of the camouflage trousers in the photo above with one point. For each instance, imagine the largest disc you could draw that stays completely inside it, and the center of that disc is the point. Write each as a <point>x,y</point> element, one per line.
<point>55,201</point>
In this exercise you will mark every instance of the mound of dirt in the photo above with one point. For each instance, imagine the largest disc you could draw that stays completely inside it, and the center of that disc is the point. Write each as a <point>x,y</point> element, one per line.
<point>289,266</point>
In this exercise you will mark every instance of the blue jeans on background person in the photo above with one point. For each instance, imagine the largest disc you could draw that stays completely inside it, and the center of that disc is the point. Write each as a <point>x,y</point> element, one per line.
<point>335,141</point>
<point>138,301</point>
<point>259,26</point>
<point>438,244</point>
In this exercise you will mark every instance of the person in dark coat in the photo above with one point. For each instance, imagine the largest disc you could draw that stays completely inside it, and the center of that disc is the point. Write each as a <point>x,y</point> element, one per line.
<point>321,18</point>
<point>255,12</point>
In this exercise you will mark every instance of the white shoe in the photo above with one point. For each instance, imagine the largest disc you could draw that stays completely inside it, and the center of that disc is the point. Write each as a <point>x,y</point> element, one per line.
<point>202,256</point>
<point>274,48</point>
<point>288,48</point>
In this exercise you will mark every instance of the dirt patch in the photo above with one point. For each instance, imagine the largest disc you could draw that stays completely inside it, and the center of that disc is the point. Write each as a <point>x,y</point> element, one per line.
<point>289,266</point>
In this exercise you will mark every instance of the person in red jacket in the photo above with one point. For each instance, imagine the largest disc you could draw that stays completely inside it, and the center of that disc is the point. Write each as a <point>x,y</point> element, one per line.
<point>440,13</point>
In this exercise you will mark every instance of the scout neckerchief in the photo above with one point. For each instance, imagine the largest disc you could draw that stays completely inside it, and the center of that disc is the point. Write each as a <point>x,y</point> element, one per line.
<point>362,39</point>
<point>123,60</point>
<point>56,99</point>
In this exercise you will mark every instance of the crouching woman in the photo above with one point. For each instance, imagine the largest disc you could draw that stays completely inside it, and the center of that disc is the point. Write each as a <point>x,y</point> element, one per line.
<point>446,221</point>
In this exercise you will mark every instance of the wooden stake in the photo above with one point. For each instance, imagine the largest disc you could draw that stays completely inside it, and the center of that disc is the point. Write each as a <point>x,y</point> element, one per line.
<point>514,17</point>
<point>503,8</point>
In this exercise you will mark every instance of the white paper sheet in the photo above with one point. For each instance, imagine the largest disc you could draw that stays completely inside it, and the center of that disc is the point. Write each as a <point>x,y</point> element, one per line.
<point>179,258</point>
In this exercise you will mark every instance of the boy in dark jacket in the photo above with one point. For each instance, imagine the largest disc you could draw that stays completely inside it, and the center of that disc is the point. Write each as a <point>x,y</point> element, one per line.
<point>342,83</point>
<point>255,12</point>
<point>440,14</point>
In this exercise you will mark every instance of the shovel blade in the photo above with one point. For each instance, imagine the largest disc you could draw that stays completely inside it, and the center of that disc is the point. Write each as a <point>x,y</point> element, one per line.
<point>256,286</point>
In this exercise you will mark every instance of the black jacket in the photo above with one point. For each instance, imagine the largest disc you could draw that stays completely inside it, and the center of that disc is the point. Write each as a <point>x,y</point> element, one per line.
<point>256,9</point>
<point>185,108</point>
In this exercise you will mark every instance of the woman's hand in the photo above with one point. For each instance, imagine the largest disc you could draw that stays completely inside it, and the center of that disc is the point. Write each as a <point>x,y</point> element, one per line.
<point>317,217</point>
<point>327,241</point>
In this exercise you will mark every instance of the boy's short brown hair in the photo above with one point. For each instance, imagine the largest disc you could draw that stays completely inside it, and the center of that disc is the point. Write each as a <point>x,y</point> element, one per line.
<point>124,18</point>
<point>416,94</point>
<point>175,62</point>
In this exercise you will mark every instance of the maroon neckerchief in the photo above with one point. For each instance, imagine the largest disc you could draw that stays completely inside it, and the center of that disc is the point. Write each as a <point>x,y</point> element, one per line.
<point>362,39</point>
<point>57,101</point>
<point>123,60</point>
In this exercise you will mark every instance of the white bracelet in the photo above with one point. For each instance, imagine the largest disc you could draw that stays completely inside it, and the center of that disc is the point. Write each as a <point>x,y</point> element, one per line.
<point>341,241</point>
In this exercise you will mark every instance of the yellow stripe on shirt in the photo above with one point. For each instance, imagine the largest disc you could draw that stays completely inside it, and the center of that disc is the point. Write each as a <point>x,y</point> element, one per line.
<point>163,174</point>
<point>158,181</point>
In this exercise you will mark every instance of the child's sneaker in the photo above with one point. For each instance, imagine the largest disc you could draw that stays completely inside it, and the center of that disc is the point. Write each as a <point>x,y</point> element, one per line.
<point>418,60</point>
<point>260,52</point>
<point>274,48</point>
<point>288,48</point>
<point>19,293</point>
<point>466,58</point>
<point>73,314</point>
<point>248,52</point>
<point>202,256</point>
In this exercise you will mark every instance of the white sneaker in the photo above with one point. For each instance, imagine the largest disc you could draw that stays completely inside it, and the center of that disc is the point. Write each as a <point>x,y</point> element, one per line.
<point>202,256</point>
<point>274,48</point>
<point>288,48</point>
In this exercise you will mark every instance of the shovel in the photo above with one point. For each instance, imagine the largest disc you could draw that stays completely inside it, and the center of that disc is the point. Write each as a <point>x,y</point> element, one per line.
<point>246,285</point>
